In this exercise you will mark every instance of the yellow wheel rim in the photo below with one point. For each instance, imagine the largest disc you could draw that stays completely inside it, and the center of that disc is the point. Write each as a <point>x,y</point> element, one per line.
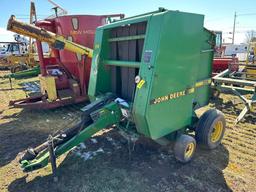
<point>189,150</point>
<point>217,131</point>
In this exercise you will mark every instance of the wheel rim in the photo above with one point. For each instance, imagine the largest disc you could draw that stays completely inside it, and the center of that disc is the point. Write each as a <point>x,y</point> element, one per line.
<point>217,131</point>
<point>189,150</point>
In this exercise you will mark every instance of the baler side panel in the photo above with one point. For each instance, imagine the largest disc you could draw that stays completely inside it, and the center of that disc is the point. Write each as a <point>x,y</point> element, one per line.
<point>146,73</point>
<point>175,72</point>
<point>100,77</point>
<point>205,67</point>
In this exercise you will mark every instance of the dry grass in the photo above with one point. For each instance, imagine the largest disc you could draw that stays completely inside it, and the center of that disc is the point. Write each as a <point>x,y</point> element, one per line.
<point>149,168</point>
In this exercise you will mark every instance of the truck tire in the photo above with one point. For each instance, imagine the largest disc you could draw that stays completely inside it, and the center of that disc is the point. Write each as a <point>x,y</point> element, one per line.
<point>184,148</point>
<point>210,129</point>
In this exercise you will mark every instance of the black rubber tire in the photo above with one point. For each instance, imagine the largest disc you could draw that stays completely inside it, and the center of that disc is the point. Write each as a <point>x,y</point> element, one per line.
<point>181,146</point>
<point>205,127</point>
<point>16,69</point>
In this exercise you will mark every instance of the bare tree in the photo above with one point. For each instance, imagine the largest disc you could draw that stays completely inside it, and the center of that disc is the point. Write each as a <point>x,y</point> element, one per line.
<point>250,36</point>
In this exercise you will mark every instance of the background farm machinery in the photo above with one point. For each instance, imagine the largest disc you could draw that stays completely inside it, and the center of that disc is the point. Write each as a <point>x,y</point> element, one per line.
<point>240,80</point>
<point>21,55</point>
<point>220,61</point>
<point>145,81</point>
<point>69,63</point>
<point>237,77</point>
<point>16,56</point>
<point>65,74</point>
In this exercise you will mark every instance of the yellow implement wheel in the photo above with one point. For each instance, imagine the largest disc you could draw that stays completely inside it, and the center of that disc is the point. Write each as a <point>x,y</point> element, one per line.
<point>210,129</point>
<point>217,131</point>
<point>189,150</point>
<point>184,148</point>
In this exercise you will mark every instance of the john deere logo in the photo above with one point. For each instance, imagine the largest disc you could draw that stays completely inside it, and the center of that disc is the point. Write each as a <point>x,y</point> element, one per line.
<point>178,94</point>
<point>168,97</point>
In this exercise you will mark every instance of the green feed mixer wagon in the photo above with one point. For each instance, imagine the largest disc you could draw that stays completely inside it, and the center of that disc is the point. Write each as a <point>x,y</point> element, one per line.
<point>149,75</point>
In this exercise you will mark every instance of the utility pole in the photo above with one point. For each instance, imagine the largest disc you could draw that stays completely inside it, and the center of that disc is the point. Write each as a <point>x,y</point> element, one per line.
<point>234,29</point>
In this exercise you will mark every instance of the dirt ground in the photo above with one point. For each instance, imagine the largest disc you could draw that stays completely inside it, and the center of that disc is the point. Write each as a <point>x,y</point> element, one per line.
<point>104,164</point>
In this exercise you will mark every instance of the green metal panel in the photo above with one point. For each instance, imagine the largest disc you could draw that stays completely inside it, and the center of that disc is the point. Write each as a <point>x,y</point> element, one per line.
<point>99,75</point>
<point>177,58</point>
<point>146,73</point>
<point>205,67</point>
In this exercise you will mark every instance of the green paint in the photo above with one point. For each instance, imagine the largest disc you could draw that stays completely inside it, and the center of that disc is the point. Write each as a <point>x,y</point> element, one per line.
<point>122,63</point>
<point>127,38</point>
<point>24,74</point>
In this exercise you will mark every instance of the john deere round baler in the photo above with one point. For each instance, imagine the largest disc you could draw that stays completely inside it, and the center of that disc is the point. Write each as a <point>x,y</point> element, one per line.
<point>149,75</point>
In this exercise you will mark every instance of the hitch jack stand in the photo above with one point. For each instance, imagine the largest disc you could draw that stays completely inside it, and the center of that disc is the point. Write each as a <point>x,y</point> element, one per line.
<point>10,81</point>
<point>52,158</point>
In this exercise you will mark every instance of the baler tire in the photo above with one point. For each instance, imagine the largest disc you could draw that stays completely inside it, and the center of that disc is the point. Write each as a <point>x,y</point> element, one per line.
<point>211,121</point>
<point>184,148</point>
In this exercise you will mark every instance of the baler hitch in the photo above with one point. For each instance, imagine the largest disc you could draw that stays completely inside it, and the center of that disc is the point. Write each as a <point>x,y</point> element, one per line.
<point>107,112</point>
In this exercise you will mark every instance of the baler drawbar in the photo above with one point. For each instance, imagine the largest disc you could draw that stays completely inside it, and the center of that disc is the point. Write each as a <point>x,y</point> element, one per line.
<point>96,116</point>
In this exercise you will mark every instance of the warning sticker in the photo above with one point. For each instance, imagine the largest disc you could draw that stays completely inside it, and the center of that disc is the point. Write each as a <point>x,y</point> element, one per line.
<point>147,56</point>
<point>141,83</point>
